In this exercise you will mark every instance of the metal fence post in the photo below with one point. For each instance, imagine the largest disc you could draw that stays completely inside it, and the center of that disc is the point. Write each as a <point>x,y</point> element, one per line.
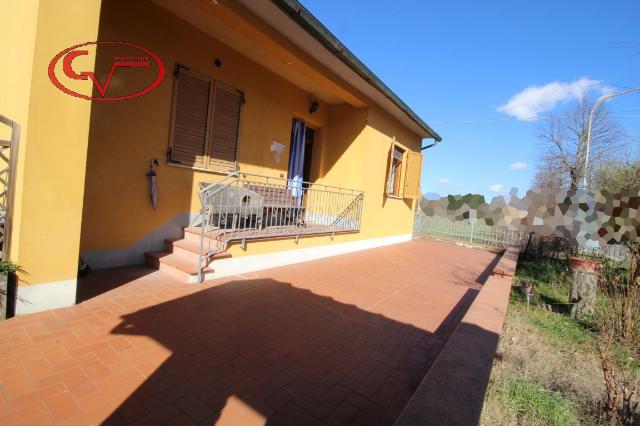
<point>473,225</point>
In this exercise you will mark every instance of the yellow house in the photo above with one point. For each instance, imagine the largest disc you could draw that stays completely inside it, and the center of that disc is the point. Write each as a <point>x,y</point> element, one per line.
<point>248,137</point>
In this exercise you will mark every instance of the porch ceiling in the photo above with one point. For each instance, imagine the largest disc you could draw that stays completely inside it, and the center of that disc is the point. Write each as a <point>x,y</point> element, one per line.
<point>237,27</point>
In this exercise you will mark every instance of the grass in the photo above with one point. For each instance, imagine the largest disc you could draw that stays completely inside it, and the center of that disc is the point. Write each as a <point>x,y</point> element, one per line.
<point>536,404</point>
<point>561,329</point>
<point>549,372</point>
<point>551,277</point>
<point>552,280</point>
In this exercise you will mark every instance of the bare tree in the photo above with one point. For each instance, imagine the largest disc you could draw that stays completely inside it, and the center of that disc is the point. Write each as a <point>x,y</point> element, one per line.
<point>549,176</point>
<point>564,140</point>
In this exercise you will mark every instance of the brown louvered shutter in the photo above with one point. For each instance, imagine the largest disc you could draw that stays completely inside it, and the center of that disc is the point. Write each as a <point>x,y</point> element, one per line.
<point>227,103</point>
<point>412,175</point>
<point>190,118</point>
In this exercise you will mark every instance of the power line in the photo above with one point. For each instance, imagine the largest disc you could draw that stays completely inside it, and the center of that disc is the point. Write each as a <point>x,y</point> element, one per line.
<point>538,118</point>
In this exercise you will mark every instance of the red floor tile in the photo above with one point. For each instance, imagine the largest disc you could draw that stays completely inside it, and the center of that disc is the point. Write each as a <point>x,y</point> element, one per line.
<point>339,340</point>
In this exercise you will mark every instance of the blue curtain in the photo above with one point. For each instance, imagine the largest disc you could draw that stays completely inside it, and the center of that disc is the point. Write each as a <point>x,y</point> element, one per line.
<point>296,158</point>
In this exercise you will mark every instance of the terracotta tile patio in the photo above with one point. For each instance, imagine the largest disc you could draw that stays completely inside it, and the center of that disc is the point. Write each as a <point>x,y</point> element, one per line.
<point>335,341</point>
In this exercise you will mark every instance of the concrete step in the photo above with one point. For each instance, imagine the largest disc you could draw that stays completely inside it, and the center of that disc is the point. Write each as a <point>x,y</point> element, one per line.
<point>181,255</point>
<point>193,234</point>
<point>189,248</point>
<point>176,265</point>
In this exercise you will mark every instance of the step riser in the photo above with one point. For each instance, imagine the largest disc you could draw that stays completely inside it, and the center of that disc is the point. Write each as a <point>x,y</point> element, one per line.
<point>172,248</point>
<point>186,253</point>
<point>152,261</point>
<point>174,272</point>
<point>195,238</point>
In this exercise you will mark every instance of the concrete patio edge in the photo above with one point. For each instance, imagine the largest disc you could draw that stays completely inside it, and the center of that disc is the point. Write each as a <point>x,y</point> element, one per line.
<point>245,264</point>
<point>453,390</point>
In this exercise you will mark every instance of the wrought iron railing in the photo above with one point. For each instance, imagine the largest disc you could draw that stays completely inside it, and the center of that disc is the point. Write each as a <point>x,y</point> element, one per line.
<point>8,163</point>
<point>243,206</point>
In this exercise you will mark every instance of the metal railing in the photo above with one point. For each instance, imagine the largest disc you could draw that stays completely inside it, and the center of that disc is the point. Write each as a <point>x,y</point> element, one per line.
<point>466,231</point>
<point>243,206</point>
<point>8,164</point>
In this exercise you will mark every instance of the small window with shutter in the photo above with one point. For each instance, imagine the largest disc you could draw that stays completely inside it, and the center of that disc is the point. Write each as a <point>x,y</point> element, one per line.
<point>395,171</point>
<point>205,122</point>
<point>403,179</point>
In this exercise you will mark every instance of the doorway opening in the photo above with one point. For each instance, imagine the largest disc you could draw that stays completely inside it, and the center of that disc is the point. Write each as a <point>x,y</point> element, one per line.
<point>308,152</point>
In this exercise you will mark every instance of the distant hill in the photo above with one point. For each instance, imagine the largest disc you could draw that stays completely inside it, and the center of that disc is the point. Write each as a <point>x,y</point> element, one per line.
<point>431,196</point>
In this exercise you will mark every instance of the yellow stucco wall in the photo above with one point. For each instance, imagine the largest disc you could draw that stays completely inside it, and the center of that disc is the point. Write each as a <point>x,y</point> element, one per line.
<point>350,150</point>
<point>18,24</point>
<point>126,136</point>
<point>54,136</point>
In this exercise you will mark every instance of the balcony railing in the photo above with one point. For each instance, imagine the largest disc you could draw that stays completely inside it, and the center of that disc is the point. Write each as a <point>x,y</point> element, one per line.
<point>243,207</point>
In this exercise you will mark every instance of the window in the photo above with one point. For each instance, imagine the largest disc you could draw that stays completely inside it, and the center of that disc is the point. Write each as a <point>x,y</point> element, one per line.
<point>404,164</point>
<point>205,122</point>
<point>395,171</point>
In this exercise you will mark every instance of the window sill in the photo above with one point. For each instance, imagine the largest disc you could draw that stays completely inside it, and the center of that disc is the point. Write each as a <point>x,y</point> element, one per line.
<point>201,169</point>
<point>393,196</point>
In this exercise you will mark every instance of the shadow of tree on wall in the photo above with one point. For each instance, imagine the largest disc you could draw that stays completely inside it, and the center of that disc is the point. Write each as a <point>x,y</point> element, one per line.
<point>263,350</point>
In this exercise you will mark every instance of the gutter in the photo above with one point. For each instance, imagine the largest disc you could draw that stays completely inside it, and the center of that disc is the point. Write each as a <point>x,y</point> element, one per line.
<point>422,148</point>
<point>309,23</point>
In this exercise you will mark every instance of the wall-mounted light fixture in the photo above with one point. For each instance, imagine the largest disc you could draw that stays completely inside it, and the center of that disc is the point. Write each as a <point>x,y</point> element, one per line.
<point>313,107</point>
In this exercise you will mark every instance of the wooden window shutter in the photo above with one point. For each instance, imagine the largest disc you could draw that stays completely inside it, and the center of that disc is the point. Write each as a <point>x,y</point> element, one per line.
<point>227,103</point>
<point>412,175</point>
<point>192,96</point>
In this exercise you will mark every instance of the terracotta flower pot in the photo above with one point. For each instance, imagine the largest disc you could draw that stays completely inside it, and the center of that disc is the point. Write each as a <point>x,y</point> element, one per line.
<point>588,266</point>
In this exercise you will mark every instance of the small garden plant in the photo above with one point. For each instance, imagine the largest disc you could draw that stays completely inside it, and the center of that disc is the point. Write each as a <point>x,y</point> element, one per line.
<point>8,267</point>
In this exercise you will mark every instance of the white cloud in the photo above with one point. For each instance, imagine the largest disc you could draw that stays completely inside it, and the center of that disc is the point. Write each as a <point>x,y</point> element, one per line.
<point>497,188</point>
<point>443,181</point>
<point>529,103</point>
<point>518,165</point>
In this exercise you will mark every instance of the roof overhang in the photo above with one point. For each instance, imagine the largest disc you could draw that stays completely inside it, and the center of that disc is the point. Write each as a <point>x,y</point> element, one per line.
<point>285,38</point>
<point>315,39</point>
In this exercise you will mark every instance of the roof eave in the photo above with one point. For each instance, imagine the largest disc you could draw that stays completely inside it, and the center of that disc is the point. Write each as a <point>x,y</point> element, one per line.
<point>317,30</point>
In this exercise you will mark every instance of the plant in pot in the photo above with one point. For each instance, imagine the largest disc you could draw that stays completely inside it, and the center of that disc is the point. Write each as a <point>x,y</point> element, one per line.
<point>6,268</point>
<point>586,270</point>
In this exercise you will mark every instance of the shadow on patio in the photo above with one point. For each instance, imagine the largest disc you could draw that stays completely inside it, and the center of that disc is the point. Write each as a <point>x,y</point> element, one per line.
<point>340,340</point>
<point>255,351</point>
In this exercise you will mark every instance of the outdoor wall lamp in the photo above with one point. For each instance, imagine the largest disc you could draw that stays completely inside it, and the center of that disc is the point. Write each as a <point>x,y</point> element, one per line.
<point>313,107</point>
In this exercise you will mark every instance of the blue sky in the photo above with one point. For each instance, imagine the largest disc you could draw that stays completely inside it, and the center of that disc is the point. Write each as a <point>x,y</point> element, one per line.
<point>460,61</point>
